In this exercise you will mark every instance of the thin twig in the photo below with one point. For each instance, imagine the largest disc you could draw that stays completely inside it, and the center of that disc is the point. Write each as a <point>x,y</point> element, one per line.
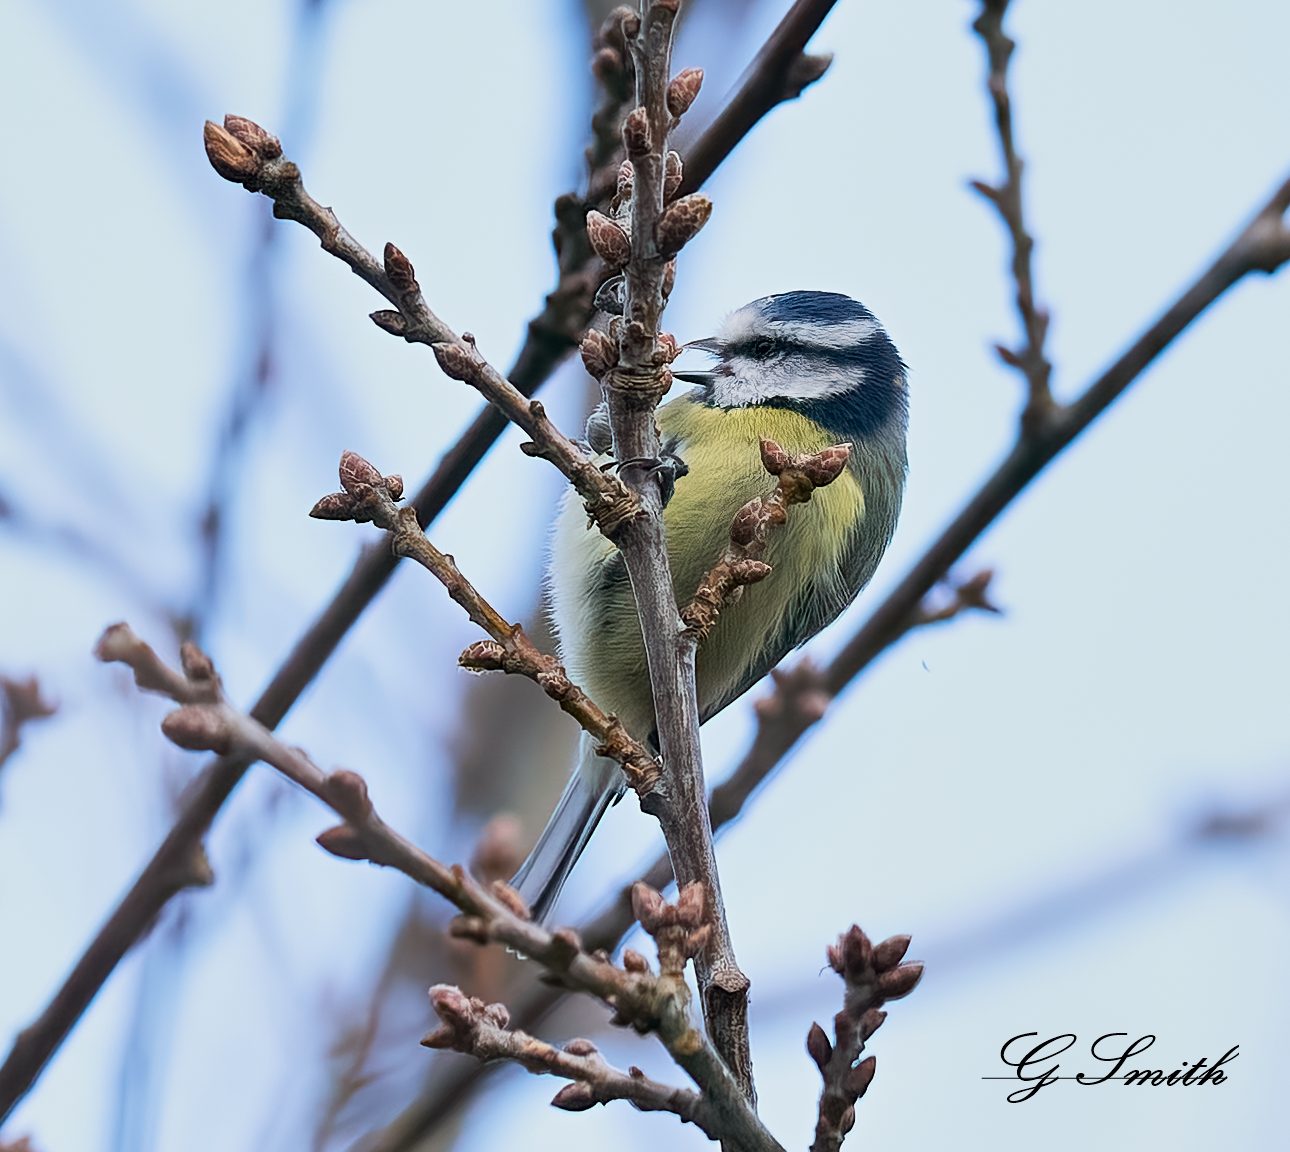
<point>1030,360</point>
<point>479,1030</point>
<point>179,861</point>
<point>797,478</point>
<point>873,974</point>
<point>648,1001</point>
<point>367,495</point>
<point>21,703</point>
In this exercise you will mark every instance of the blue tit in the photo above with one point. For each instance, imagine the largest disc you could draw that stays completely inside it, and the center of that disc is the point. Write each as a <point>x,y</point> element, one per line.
<point>806,369</point>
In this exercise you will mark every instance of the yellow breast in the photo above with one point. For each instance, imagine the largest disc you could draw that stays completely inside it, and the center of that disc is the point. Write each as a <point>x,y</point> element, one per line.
<point>595,614</point>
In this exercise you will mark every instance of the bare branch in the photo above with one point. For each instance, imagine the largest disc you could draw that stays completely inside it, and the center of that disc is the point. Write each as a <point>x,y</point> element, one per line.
<point>659,224</point>
<point>1029,360</point>
<point>21,703</point>
<point>873,975</point>
<point>206,721</point>
<point>370,496</point>
<point>479,1030</point>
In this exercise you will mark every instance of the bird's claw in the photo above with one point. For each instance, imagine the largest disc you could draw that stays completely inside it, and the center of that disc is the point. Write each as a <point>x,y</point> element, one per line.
<point>668,467</point>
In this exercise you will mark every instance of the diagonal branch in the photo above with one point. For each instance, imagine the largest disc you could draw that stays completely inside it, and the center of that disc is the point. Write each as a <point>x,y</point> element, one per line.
<point>370,496</point>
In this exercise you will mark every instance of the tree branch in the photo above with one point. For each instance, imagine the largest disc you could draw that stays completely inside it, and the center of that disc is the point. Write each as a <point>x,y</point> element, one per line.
<point>873,975</point>
<point>1030,360</point>
<point>480,1030</point>
<point>648,1001</point>
<point>659,225</point>
<point>21,703</point>
<point>368,495</point>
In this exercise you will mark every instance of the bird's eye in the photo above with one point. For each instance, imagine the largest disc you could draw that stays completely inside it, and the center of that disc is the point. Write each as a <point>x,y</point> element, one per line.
<point>763,348</point>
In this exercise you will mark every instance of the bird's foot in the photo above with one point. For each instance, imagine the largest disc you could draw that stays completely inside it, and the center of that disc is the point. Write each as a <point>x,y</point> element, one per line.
<point>668,467</point>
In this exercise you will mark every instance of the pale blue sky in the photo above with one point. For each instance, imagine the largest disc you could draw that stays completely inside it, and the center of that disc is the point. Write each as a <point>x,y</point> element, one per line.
<point>1137,678</point>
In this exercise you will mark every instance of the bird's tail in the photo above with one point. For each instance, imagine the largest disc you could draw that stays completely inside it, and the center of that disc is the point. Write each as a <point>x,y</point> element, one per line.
<point>587,796</point>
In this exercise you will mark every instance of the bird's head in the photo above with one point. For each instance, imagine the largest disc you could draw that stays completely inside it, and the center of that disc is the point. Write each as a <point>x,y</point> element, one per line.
<point>819,353</point>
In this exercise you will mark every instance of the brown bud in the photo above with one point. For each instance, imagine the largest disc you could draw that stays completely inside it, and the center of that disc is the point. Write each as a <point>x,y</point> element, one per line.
<point>633,961</point>
<point>890,952</point>
<point>805,70</point>
<point>581,1047</point>
<point>442,1037</point>
<point>626,177</point>
<point>857,949</point>
<point>870,1022</point>
<point>691,905</point>
<point>455,360</point>
<point>682,90</point>
<point>497,1014</point>
<point>334,506</point>
<point>357,474</point>
<point>680,223</point>
<point>826,466</point>
<point>669,278</point>
<point>228,155</point>
<point>697,941</point>
<point>196,664</point>
<point>773,458</point>
<point>198,728</point>
<point>607,63</point>
<point>599,353</point>
<point>512,899</point>
<point>483,656</point>
<point>898,982</point>
<point>263,144</point>
<point>743,528</point>
<point>565,945</point>
<point>398,268</point>
<point>347,794</point>
<point>647,905</point>
<point>672,174</point>
<point>818,1046</point>
<point>747,572</point>
<point>343,841</point>
<point>468,928</point>
<point>388,320</point>
<point>451,1005</point>
<point>394,486</point>
<point>637,137</point>
<point>575,1097</point>
<point>861,1076</point>
<point>608,239</point>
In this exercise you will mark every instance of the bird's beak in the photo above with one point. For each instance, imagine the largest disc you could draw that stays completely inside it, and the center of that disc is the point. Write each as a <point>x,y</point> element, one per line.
<point>713,347</point>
